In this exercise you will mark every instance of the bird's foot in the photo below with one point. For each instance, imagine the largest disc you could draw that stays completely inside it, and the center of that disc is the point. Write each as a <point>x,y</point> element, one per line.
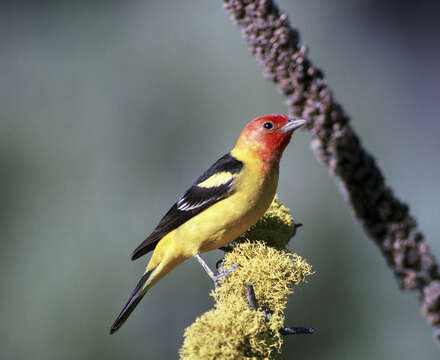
<point>223,274</point>
<point>215,278</point>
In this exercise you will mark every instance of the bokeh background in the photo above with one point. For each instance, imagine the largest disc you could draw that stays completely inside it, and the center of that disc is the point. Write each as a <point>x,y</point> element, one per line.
<point>110,109</point>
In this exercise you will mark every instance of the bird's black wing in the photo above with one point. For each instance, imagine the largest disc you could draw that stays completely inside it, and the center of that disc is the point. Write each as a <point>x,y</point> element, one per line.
<point>215,184</point>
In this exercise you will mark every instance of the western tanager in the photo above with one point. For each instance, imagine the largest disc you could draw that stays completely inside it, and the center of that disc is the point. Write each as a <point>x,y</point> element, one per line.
<point>221,204</point>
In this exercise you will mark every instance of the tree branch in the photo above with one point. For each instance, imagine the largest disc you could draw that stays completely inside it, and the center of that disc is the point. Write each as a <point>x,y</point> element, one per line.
<point>285,330</point>
<point>385,218</point>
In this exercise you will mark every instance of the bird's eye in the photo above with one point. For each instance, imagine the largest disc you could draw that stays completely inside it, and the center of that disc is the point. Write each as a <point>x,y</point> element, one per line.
<point>268,125</point>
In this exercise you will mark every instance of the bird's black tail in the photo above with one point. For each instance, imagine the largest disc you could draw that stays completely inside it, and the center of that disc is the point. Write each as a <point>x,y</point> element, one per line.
<point>136,296</point>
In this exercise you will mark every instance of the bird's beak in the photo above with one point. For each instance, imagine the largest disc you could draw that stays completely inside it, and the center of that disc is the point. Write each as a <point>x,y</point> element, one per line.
<point>292,125</point>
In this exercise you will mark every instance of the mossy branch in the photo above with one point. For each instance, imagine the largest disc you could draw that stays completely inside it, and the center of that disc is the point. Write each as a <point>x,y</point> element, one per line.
<point>248,317</point>
<point>385,218</point>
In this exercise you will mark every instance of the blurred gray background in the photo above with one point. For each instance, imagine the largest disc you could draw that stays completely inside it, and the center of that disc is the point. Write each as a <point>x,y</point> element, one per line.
<point>110,109</point>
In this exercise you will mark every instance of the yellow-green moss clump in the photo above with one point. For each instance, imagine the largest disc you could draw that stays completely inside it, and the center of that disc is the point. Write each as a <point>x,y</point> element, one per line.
<point>233,330</point>
<point>271,271</point>
<point>229,333</point>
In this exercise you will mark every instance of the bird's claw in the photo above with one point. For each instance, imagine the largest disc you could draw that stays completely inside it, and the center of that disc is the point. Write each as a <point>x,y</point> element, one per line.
<point>223,274</point>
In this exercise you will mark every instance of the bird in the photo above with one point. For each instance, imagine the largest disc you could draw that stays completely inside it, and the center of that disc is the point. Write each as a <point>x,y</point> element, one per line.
<point>225,201</point>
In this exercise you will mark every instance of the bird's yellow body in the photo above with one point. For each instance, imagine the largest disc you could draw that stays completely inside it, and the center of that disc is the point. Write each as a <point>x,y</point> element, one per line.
<point>224,202</point>
<point>221,223</point>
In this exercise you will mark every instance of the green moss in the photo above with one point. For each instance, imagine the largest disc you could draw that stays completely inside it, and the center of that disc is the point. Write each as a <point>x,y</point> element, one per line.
<point>233,330</point>
<point>271,271</point>
<point>229,333</point>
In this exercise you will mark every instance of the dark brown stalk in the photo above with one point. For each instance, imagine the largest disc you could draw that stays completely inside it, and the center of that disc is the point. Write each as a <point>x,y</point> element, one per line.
<point>385,218</point>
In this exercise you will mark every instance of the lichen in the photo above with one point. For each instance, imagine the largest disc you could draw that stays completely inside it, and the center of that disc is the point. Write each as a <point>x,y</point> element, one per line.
<point>230,333</point>
<point>271,271</point>
<point>233,330</point>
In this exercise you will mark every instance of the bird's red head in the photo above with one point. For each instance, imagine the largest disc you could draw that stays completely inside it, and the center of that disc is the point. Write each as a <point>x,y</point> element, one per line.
<point>267,136</point>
